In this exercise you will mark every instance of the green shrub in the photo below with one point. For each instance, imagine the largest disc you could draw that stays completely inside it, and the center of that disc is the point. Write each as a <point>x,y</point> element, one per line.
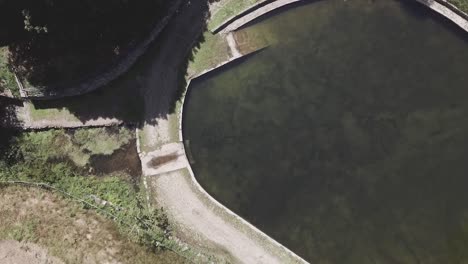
<point>35,158</point>
<point>99,141</point>
<point>77,147</point>
<point>7,78</point>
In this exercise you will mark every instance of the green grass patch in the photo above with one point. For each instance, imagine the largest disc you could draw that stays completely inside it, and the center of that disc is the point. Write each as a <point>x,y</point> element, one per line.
<point>38,114</point>
<point>212,51</point>
<point>7,78</point>
<point>100,141</point>
<point>23,232</point>
<point>78,145</point>
<point>67,231</point>
<point>39,157</point>
<point>461,4</point>
<point>228,9</point>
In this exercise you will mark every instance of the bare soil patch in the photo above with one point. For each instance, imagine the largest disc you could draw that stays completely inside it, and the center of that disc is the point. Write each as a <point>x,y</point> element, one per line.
<point>14,252</point>
<point>67,231</point>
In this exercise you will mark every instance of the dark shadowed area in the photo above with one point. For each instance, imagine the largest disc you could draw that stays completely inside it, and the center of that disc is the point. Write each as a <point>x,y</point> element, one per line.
<point>8,123</point>
<point>160,75</point>
<point>55,43</point>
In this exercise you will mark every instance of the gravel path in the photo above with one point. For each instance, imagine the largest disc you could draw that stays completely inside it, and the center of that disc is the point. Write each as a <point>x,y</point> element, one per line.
<point>173,191</point>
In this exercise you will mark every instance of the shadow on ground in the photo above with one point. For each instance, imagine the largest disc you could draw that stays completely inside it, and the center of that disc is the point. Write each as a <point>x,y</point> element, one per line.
<point>123,98</point>
<point>8,123</point>
<point>159,73</point>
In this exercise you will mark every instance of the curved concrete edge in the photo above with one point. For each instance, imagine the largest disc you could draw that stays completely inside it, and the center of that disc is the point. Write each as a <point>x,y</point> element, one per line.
<point>233,24</point>
<point>251,16</point>
<point>119,68</point>
<point>453,8</point>
<point>233,59</point>
<point>239,15</point>
<point>440,7</point>
<point>291,255</point>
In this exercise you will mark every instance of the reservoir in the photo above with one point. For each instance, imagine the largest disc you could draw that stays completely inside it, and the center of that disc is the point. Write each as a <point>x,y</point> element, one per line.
<point>346,140</point>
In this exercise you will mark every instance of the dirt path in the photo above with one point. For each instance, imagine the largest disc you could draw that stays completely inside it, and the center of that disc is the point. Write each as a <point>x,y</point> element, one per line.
<point>233,45</point>
<point>200,220</point>
<point>14,252</point>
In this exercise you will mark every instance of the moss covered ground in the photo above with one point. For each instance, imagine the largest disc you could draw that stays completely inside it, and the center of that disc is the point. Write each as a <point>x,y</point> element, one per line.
<point>461,4</point>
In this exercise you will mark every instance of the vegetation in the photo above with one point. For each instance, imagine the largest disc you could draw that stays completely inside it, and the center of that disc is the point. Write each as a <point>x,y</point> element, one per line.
<point>212,51</point>
<point>97,141</point>
<point>228,9</point>
<point>121,100</point>
<point>68,231</point>
<point>77,146</point>
<point>53,41</point>
<point>7,78</point>
<point>40,157</point>
<point>461,4</point>
<point>38,114</point>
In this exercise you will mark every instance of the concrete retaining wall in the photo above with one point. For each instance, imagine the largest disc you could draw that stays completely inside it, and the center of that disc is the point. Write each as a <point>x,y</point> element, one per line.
<point>442,7</point>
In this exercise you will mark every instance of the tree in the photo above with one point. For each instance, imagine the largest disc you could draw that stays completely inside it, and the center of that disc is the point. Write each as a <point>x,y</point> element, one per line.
<point>54,41</point>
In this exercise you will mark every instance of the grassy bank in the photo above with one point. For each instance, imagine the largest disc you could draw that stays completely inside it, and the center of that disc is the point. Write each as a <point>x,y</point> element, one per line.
<point>76,146</point>
<point>60,159</point>
<point>7,78</point>
<point>228,9</point>
<point>461,4</point>
<point>67,231</point>
<point>212,50</point>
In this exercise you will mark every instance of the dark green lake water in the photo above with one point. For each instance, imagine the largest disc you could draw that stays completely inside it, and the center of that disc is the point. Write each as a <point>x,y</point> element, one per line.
<point>347,139</point>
